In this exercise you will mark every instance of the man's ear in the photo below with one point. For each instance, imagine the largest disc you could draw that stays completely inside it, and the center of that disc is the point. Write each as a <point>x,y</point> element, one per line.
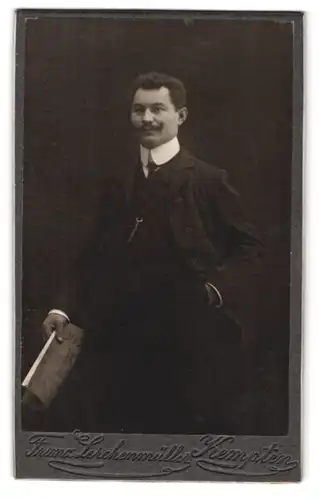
<point>182,115</point>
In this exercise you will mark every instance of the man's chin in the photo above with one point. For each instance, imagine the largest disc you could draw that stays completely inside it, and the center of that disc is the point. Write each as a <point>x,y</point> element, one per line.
<point>150,142</point>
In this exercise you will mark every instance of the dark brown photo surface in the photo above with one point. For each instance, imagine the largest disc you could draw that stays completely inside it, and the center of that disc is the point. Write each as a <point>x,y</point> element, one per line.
<point>158,222</point>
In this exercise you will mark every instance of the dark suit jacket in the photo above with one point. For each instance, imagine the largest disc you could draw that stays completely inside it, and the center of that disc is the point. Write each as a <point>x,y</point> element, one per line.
<point>203,365</point>
<point>209,226</point>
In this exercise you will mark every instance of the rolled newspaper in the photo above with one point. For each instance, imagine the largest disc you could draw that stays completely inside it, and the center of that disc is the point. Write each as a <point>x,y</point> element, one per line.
<point>52,367</point>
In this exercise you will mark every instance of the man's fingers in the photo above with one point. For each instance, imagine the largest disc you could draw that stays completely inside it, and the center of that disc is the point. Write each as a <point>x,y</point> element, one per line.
<point>56,323</point>
<point>47,329</point>
<point>59,331</point>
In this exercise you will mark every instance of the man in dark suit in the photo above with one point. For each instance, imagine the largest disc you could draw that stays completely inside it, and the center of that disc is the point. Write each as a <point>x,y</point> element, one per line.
<point>158,290</point>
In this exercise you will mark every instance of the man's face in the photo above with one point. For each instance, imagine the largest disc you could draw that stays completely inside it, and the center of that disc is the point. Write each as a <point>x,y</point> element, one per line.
<point>154,116</point>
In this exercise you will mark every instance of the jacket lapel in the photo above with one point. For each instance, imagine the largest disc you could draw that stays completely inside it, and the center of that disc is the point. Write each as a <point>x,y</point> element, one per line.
<point>177,172</point>
<point>174,173</point>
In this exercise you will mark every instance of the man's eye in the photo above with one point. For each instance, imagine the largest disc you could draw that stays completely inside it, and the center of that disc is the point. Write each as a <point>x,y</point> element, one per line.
<point>157,109</point>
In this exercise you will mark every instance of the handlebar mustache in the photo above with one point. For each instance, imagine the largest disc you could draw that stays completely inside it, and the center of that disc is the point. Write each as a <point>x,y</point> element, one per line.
<point>146,129</point>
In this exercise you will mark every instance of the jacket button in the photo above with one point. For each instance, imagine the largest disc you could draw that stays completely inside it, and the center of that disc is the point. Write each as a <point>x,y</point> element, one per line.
<point>189,229</point>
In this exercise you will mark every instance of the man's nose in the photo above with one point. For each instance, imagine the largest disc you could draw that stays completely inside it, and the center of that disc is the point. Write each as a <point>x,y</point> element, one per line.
<point>148,116</point>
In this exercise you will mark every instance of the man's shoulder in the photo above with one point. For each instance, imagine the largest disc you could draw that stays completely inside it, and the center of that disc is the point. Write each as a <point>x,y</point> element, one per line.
<point>207,172</point>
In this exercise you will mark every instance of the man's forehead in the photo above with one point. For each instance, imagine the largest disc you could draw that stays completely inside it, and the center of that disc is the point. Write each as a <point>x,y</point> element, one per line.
<point>147,96</point>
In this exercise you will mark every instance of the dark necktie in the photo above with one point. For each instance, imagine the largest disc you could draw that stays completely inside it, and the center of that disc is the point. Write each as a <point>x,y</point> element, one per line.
<point>151,168</point>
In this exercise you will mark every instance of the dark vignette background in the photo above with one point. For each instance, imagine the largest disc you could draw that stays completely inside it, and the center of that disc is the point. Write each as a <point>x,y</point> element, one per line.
<point>239,80</point>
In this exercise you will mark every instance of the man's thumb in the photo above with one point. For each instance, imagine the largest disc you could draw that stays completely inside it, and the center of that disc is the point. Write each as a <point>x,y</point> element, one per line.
<point>59,327</point>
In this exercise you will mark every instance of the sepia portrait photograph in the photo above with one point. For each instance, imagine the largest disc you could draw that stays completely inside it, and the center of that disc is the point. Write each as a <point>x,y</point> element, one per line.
<point>158,245</point>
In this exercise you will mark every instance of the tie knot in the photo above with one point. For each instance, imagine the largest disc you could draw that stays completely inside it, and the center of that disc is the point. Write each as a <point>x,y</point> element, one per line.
<point>151,167</point>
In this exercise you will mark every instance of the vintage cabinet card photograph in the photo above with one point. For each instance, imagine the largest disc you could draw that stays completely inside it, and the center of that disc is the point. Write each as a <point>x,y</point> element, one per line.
<point>158,245</point>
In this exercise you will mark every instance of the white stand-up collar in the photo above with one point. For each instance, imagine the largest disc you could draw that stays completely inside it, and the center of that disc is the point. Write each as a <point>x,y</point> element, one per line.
<point>161,154</point>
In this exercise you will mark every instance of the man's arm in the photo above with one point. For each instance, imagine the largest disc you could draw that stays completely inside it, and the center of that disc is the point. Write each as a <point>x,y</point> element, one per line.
<point>238,248</point>
<point>215,236</point>
<point>69,303</point>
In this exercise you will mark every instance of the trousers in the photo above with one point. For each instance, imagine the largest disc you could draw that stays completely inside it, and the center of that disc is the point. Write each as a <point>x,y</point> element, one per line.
<point>152,368</point>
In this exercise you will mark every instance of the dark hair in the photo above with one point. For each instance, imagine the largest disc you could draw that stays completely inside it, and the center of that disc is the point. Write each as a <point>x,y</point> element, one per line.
<point>153,80</point>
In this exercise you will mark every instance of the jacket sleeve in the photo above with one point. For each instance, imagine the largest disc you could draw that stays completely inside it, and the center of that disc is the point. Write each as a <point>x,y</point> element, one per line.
<point>238,249</point>
<point>72,297</point>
